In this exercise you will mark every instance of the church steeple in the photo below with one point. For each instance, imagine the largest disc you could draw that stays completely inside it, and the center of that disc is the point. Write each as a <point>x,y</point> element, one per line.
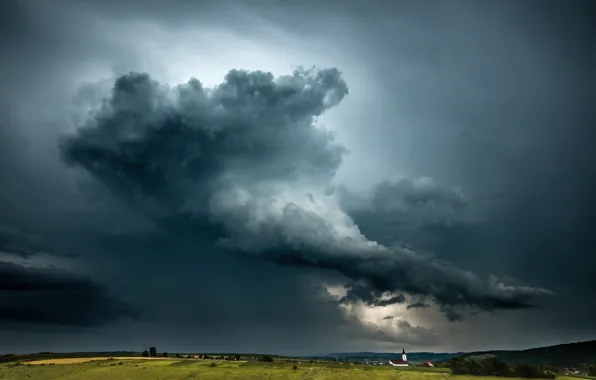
<point>403,362</point>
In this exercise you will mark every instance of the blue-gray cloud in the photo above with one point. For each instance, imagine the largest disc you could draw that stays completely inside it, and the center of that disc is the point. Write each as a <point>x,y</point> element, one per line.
<point>48,295</point>
<point>246,160</point>
<point>17,242</point>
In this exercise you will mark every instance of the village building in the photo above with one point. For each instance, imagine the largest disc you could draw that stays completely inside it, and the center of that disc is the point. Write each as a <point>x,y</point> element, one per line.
<point>403,362</point>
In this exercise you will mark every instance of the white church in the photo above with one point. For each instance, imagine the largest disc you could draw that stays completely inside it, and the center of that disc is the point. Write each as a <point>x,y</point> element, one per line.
<point>403,362</point>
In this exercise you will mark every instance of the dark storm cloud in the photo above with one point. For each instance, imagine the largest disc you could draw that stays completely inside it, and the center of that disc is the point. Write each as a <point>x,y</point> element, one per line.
<point>358,292</point>
<point>17,242</point>
<point>417,305</point>
<point>163,147</point>
<point>418,194</point>
<point>410,212</point>
<point>495,98</point>
<point>246,156</point>
<point>53,296</point>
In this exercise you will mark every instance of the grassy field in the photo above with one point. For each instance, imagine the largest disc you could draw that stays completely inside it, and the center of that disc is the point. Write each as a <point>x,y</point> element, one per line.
<point>175,369</point>
<point>84,360</point>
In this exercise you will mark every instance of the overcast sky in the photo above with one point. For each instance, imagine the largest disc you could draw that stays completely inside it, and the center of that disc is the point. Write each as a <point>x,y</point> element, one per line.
<point>296,177</point>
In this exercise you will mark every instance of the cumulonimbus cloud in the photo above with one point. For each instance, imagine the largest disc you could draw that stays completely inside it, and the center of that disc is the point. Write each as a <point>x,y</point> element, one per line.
<point>247,158</point>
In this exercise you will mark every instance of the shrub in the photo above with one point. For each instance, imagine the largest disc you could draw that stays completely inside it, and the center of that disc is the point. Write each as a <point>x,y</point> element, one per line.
<point>294,367</point>
<point>213,365</point>
<point>145,354</point>
<point>496,367</point>
<point>458,366</point>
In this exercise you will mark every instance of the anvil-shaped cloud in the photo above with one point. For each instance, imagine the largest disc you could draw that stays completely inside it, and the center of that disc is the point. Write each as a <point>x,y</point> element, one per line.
<point>248,160</point>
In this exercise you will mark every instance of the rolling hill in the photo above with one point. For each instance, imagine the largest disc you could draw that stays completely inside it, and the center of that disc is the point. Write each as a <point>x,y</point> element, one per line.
<point>570,354</point>
<point>562,354</point>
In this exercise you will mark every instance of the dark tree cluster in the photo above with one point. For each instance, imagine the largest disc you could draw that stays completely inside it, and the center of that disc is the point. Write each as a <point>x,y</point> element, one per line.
<point>496,367</point>
<point>151,353</point>
<point>592,370</point>
<point>266,358</point>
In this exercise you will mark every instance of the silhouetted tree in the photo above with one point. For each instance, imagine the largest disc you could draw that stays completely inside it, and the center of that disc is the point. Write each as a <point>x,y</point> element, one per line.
<point>458,366</point>
<point>237,357</point>
<point>592,370</point>
<point>165,354</point>
<point>475,368</point>
<point>153,352</point>
<point>266,358</point>
<point>528,371</point>
<point>145,354</point>
<point>494,367</point>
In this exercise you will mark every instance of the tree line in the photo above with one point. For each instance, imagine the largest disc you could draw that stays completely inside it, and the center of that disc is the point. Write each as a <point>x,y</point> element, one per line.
<point>152,352</point>
<point>495,367</point>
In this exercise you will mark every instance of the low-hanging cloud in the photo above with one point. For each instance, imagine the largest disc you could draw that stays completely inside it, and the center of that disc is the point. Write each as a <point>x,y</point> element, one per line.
<point>17,242</point>
<point>35,289</point>
<point>49,295</point>
<point>247,160</point>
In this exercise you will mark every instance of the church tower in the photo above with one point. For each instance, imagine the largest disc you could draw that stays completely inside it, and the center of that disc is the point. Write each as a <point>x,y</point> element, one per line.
<point>403,362</point>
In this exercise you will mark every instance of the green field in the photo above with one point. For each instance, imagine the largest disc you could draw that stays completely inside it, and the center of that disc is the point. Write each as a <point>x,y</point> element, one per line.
<point>174,369</point>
